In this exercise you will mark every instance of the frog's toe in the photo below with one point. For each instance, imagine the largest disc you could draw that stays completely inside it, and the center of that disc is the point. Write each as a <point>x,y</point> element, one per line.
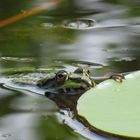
<point>117,77</point>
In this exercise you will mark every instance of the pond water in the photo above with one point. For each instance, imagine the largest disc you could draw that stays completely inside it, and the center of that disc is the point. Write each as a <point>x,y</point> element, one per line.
<point>101,35</point>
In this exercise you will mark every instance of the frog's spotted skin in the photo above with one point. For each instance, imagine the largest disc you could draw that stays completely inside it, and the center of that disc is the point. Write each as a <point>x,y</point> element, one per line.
<point>62,87</point>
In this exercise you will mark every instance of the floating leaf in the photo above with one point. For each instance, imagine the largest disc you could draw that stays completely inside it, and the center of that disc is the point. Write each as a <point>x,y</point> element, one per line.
<point>113,107</point>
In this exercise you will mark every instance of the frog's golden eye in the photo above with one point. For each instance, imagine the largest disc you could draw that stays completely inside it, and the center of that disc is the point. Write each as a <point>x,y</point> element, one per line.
<point>61,76</point>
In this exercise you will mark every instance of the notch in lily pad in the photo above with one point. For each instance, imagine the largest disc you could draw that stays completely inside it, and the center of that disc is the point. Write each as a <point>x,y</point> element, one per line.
<point>113,108</point>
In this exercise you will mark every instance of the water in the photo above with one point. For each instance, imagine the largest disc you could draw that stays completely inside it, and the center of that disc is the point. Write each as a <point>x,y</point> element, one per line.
<point>61,39</point>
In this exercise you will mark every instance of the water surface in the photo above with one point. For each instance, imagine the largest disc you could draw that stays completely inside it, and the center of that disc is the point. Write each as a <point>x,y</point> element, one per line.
<point>59,39</point>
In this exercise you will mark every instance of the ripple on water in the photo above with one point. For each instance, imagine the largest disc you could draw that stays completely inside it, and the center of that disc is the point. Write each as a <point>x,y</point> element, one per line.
<point>79,23</point>
<point>16,59</point>
<point>6,136</point>
<point>76,23</point>
<point>124,59</point>
<point>78,63</point>
<point>48,25</point>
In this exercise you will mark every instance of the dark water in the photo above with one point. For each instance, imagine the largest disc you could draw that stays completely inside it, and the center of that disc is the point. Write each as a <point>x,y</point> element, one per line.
<point>103,36</point>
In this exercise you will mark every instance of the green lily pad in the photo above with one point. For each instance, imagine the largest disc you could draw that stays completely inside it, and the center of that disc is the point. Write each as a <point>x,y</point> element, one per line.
<point>113,107</point>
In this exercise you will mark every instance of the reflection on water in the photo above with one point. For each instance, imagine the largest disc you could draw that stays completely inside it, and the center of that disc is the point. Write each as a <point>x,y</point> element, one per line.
<point>36,42</point>
<point>32,118</point>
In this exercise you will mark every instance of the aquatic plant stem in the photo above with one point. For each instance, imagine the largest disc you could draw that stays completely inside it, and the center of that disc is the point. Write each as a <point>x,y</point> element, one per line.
<point>30,12</point>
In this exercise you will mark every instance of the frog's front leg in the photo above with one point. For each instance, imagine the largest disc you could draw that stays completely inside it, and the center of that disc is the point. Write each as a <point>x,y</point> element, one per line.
<point>117,77</point>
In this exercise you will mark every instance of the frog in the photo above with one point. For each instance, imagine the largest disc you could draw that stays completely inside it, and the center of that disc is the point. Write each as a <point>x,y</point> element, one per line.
<point>59,85</point>
<point>62,87</point>
<point>66,88</point>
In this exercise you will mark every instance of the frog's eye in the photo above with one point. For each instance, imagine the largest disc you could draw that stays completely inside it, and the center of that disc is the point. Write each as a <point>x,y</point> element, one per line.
<point>79,71</point>
<point>61,76</point>
<point>82,71</point>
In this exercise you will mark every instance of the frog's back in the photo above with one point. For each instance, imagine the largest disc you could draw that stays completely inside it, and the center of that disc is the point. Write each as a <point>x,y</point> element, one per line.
<point>29,78</point>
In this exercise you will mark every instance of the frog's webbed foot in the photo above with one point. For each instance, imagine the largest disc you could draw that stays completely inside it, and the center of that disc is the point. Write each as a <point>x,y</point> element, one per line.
<point>117,77</point>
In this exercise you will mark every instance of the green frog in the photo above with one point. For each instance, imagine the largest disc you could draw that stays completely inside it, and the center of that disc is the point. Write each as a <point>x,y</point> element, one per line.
<point>63,87</point>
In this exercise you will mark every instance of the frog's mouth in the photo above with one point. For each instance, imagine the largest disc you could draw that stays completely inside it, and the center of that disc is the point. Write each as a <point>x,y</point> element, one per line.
<point>70,88</point>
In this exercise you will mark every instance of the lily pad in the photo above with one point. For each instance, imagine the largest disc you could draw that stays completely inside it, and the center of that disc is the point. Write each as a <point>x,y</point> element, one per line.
<point>113,107</point>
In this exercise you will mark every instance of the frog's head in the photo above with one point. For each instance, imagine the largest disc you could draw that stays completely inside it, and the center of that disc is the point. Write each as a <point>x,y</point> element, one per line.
<point>66,85</point>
